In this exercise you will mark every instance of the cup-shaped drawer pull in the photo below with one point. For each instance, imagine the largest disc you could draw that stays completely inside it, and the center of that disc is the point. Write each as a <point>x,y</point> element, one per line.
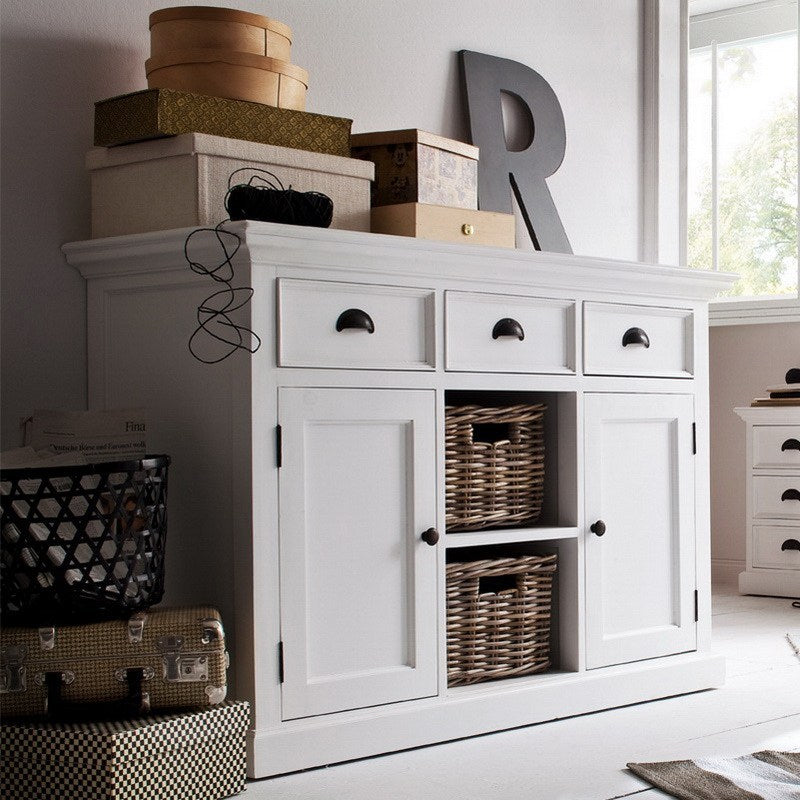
<point>790,444</point>
<point>508,327</point>
<point>790,544</point>
<point>355,319</point>
<point>791,494</point>
<point>635,336</point>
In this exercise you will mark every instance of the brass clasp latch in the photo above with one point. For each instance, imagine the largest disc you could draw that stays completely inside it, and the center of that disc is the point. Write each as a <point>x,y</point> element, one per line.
<point>181,667</point>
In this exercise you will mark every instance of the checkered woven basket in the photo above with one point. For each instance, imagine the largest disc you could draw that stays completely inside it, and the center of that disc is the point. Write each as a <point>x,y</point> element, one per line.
<point>162,757</point>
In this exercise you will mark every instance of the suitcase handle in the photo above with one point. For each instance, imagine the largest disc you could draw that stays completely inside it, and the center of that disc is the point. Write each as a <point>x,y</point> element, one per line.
<point>134,704</point>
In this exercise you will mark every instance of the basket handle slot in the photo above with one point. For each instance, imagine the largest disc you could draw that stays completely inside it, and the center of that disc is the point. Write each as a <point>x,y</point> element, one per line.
<point>495,584</point>
<point>492,432</point>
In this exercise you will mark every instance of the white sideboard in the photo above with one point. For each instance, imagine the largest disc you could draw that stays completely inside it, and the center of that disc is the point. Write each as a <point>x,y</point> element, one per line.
<point>773,501</point>
<point>304,476</point>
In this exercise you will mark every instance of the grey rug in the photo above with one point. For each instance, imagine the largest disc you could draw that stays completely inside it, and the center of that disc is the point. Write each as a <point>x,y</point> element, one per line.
<point>768,775</point>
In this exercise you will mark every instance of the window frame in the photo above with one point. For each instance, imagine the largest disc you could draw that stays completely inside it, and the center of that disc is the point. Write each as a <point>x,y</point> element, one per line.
<point>741,20</point>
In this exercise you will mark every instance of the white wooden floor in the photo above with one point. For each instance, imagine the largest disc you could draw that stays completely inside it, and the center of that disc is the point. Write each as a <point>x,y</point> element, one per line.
<point>584,758</point>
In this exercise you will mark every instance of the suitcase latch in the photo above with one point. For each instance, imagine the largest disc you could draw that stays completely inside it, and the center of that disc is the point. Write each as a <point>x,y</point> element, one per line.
<point>181,667</point>
<point>136,628</point>
<point>47,638</point>
<point>12,669</point>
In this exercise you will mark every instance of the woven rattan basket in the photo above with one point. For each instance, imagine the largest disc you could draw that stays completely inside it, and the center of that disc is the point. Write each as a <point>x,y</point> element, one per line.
<point>493,483</point>
<point>498,618</point>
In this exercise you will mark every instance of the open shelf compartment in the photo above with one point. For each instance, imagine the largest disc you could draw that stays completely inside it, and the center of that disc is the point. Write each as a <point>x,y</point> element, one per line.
<point>558,515</point>
<point>561,609</point>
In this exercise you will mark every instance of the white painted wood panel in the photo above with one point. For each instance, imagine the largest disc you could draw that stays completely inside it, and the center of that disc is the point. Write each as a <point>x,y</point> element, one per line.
<point>776,496</point>
<point>768,543</point>
<point>640,575</point>
<point>547,327</point>
<point>308,312</point>
<point>669,332</point>
<point>776,446</point>
<point>358,585</point>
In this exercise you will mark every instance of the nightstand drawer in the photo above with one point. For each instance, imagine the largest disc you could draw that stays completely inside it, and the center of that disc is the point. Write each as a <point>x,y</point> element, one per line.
<point>355,326</point>
<point>637,340</point>
<point>776,446</point>
<point>776,497</point>
<point>776,548</point>
<point>508,333</point>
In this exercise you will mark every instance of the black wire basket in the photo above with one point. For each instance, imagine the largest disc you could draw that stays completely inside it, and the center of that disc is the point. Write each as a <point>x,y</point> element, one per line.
<point>81,544</point>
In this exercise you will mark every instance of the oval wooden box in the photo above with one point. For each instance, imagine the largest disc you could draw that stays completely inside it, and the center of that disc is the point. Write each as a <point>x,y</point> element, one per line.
<point>206,28</point>
<point>222,73</point>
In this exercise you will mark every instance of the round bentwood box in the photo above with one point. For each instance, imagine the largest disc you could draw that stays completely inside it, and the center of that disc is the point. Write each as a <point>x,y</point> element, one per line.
<point>223,73</point>
<point>208,28</point>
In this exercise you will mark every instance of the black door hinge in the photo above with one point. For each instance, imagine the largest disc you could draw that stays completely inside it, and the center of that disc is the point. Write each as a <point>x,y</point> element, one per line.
<point>696,606</point>
<point>280,661</point>
<point>694,438</point>
<point>279,445</point>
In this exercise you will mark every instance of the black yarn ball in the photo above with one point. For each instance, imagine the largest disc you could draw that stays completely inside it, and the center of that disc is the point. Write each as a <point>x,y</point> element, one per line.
<point>265,204</point>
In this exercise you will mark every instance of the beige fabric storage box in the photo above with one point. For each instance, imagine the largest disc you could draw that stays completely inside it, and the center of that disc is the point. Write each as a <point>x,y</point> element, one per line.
<point>181,182</point>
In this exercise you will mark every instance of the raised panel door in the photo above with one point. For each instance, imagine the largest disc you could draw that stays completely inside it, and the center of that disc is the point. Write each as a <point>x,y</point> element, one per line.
<point>640,570</point>
<point>358,584</point>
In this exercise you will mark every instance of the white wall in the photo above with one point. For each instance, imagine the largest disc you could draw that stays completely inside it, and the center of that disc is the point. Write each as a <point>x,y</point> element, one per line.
<point>745,359</point>
<point>384,64</point>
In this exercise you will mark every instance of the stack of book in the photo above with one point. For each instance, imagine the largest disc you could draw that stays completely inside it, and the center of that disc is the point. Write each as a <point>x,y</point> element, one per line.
<point>784,394</point>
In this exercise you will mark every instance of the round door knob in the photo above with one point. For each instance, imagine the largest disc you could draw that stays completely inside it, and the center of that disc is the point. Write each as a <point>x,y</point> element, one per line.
<point>431,536</point>
<point>598,528</point>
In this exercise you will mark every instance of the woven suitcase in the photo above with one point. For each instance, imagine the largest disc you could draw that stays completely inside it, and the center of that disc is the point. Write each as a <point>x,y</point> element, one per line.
<point>166,658</point>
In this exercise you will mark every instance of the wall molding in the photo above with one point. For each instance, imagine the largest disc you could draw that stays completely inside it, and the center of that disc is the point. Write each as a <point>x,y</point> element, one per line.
<point>665,27</point>
<point>726,570</point>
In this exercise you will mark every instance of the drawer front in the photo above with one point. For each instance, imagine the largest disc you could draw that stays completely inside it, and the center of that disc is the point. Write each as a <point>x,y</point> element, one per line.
<point>776,548</point>
<point>637,340</point>
<point>776,446</point>
<point>506,333</point>
<point>776,497</point>
<point>356,326</point>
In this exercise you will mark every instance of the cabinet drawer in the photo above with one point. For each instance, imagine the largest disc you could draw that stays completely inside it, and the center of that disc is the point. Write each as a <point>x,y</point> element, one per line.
<point>357,326</point>
<point>776,497</point>
<point>776,446</point>
<point>776,548</point>
<point>637,340</point>
<point>507,333</point>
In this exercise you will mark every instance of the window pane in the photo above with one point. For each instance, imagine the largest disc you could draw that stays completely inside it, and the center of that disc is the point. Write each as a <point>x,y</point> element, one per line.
<point>757,153</point>
<point>699,158</point>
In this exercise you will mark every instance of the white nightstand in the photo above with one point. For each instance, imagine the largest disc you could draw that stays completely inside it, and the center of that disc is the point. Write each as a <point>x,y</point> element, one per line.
<point>773,501</point>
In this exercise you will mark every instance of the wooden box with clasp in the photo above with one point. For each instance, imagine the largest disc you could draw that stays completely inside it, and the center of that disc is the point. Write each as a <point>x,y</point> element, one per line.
<point>445,224</point>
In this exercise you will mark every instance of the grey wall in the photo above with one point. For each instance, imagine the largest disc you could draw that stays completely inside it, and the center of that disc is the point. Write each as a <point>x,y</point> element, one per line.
<point>384,64</point>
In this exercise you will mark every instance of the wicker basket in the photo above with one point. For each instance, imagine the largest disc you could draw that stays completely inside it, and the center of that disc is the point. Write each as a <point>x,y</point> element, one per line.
<point>83,543</point>
<point>493,483</point>
<point>498,618</point>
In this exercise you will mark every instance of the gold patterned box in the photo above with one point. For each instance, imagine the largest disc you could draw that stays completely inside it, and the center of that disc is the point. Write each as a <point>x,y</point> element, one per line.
<point>170,756</point>
<point>414,166</point>
<point>155,113</point>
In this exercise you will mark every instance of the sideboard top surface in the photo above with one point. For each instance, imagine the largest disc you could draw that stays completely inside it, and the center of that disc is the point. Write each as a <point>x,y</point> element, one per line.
<point>359,252</point>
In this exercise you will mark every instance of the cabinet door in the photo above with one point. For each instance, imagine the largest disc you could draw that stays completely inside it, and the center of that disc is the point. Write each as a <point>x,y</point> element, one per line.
<point>640,574</point>
<point>358,584</point>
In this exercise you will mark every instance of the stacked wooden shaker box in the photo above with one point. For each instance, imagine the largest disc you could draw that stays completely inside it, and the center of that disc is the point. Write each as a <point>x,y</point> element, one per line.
<point>223,96</point>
